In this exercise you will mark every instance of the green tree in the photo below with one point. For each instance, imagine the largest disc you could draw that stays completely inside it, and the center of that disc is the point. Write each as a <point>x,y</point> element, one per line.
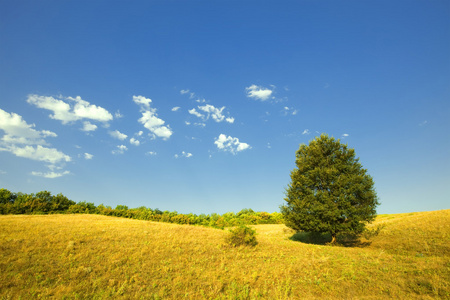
<point>330,192</point>
<point>6,197</point>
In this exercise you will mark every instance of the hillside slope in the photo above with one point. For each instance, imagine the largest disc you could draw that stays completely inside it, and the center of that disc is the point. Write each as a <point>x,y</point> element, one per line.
<point>92,256</point>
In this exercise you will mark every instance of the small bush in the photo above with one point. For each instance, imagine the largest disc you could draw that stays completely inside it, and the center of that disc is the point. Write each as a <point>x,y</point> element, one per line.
<point>242,235</point>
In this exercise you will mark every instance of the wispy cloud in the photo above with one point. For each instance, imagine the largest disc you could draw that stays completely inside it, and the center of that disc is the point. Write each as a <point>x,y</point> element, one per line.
<point>209,111</point>
<point>183,154</point>
<point>88,126</point>
<point>196,113</point>
<point>120,149</point>
<point>118,135</point>
<point>50,174</point>
<point>289,111</point>
<point>176,108</point>
<point>18,131</point>
<point>39,153</point>
<point>258,92</point>
<point>22,140</point>
<point>118,115</point>
<point>150,119</point>
<point>230,144</point>
<point>135,142</point>
<point>69,109</point>
<point>306,131</point>
<point>88,156</point>
<point>191,94</point>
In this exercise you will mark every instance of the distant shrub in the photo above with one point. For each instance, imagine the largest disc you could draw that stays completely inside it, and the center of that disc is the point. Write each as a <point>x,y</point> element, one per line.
<point>242,235</point>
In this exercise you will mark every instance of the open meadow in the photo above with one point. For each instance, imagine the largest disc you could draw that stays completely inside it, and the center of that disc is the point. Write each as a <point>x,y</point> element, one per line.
<point>99,257</point>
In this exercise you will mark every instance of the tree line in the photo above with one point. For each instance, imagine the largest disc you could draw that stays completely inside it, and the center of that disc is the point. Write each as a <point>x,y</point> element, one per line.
<point>330,192</point>
<point>45,203</point>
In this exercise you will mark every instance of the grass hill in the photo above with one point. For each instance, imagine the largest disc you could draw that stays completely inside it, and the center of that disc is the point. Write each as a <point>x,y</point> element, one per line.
<point>99,257</point>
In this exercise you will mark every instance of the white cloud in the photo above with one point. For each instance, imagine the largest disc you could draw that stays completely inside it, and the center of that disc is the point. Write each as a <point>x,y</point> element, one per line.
<point>211,112</point>
<point>176,108</point>
<point>152,153</point>
<point>73,110</point>
<point>39,153</point>
<point>230,144</point>
<point>150,119</point>
<point>423,123</point>
<point>87,126</point>
<point>306,131</point>
<point>345,135</point>
<point>46,133</point>
<point>191,94</point>
<point>88,156</point>
<point>85,110</point>
<point>50,174</point>
<point>142,101</point>
<point>155,125</point>
<point>17,131</point>
<point>118,115</point>
<point>215,113</point>
<point>118,135</point>
<point>22,140</point>
<point>230,120</point>
<point>184,154</point>
<point>135,142</point>
<point>120,149</point>
<point>258,92</point>
<point>196,113</point>
<point>289,111</point>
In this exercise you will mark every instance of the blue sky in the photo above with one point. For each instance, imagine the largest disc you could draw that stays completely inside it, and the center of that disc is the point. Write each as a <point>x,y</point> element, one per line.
<point>199,106</point>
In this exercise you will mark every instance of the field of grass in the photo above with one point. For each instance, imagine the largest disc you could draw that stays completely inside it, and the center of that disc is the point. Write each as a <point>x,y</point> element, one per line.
<point>99,257</point>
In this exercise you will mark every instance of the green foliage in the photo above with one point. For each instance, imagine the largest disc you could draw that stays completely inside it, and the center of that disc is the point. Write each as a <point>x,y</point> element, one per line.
<point>121,207</point>
<point>82,207</point>
<point>329,190</point>
<point>242,236</point>
<point>45,203</point>
<point>40,203</point>
<point>316,238</point>
<point>6,196</point>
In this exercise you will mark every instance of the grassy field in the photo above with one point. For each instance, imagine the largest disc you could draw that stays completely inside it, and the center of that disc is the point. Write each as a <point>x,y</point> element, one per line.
<point>99,257</point>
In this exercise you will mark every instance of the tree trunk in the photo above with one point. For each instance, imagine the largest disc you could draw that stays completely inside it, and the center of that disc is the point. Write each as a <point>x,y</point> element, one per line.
<point>333,238</point>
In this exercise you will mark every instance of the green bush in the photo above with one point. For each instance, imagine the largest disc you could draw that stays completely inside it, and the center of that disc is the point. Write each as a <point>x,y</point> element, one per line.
<point>242,235</point>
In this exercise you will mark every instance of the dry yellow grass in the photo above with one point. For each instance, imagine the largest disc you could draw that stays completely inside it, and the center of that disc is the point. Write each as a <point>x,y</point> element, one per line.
<point>98,257</point>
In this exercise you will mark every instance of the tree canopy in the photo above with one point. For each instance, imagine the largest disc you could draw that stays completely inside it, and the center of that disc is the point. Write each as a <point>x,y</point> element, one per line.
<point>330,191</point>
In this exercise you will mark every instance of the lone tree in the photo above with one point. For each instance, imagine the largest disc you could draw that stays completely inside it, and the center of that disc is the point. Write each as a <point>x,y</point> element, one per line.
<point>330,191</point>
